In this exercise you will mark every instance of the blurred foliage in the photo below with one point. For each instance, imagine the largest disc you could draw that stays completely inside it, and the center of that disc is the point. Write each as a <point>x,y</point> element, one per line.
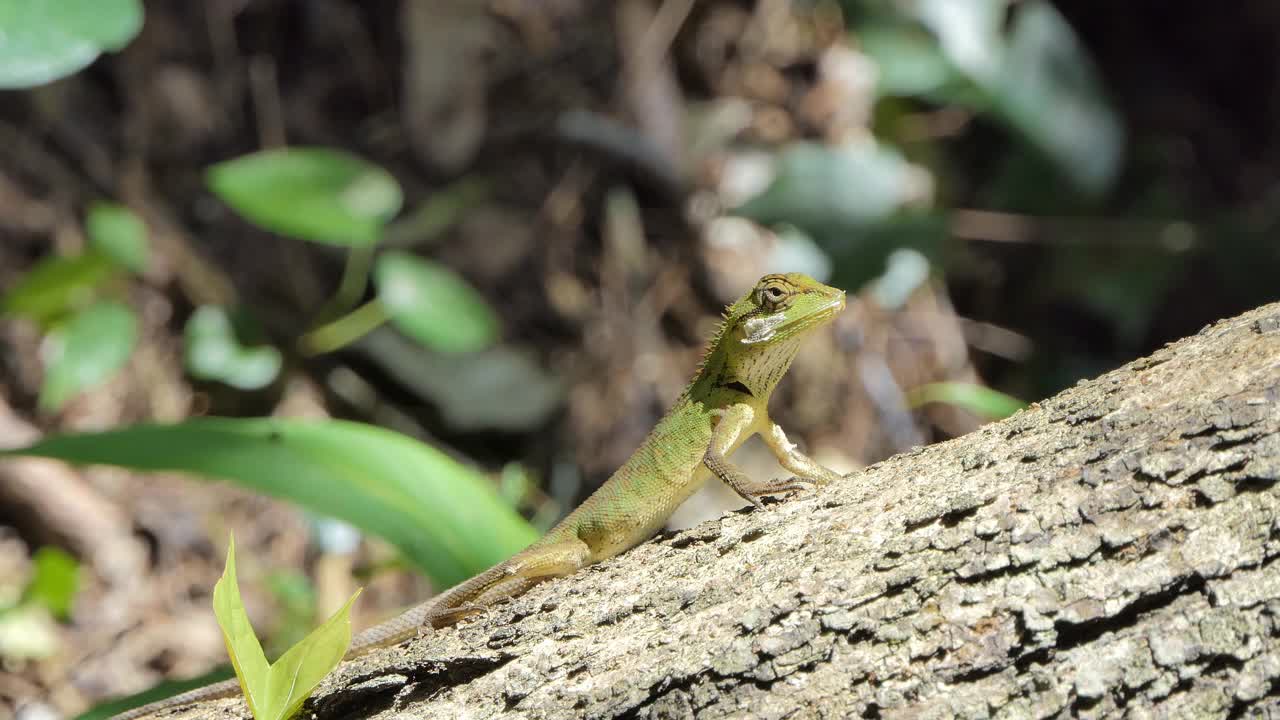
<point>276,691</point>
<point>28,614</point>
<point>85,351</point>
<point>57,286</point>
<point>214,352</point>
<point>444,516</point>
<point>828,190</point>
<point>431,304</point>
<point>336,198</point>
<point>55,582</point>
<point>978,399</point>
<point>43,41</point>
<point>1021,65</point>
<point>88,338</point>
<point>503,387</point>
<point>118,234</point>
<point>317,194</point>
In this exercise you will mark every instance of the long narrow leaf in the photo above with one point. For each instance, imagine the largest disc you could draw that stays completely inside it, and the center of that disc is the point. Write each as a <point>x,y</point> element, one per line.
<point>978,399</point>
<point>445,517</point>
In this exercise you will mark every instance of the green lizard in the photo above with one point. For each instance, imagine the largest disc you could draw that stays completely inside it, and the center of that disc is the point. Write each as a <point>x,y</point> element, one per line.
<point>725,404</point>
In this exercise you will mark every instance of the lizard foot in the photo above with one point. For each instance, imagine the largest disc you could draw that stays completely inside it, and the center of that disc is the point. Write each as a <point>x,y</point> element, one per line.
<point>777,486</point>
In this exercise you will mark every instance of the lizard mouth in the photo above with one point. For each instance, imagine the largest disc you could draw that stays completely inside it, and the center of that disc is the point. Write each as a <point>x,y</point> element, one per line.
<point>765,327</point>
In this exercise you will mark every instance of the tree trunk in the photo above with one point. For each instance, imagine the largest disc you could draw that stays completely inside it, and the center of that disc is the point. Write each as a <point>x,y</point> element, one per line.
<point>1107,551</point>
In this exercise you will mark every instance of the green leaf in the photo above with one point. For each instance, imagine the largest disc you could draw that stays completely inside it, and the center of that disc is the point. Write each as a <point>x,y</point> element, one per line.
<point>116,232</point>
<point>43,40</point>
<point>317,194</point>
<point>56,285</point>
<point>968,33</point>
<point>446,517</point>
<point>56,580</point>
<point>431,304</point>
<point>908,59</point>
<point>819,188</point>
<point>978,399</point>
<point>276,691</point>
<point>92,346</point>
<point>242,644</point>
<point>213,352</point>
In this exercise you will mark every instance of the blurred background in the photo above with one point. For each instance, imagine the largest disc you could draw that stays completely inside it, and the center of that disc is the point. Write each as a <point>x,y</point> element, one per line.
<point>506,228</point>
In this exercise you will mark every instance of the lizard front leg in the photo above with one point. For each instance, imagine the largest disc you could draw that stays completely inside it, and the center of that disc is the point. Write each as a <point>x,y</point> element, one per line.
<point>731,423</point>
<point>805,468</point>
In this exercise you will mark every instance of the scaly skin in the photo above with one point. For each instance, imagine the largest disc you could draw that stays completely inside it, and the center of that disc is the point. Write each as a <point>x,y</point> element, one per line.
<point>726,403</point>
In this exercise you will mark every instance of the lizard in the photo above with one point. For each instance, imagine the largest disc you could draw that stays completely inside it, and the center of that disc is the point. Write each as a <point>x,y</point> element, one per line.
<point>725,403</point>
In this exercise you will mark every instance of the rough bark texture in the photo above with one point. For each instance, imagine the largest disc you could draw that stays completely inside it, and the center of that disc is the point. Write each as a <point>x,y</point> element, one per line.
<point>1109,551</point>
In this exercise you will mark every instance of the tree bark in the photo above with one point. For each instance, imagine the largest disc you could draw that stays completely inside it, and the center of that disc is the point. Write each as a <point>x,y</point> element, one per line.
<point>1108,551</point>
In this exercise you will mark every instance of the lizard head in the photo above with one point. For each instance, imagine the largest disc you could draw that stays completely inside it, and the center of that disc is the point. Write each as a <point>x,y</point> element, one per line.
<point>782,307</point>
<point>762,331</point>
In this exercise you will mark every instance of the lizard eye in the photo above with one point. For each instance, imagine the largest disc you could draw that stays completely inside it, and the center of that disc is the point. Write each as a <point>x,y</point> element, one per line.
<point>771,294</point>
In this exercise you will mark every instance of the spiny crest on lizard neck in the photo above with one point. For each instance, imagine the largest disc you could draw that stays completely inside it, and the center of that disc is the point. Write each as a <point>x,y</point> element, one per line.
<point>780,307</point>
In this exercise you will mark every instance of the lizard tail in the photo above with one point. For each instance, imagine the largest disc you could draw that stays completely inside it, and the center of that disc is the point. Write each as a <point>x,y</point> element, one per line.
<point>226,688</point>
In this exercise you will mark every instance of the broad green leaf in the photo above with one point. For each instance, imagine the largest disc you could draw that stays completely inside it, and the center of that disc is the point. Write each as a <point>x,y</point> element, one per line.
<point>88,350</point>
<point>116,232</point>
<point>43,40</point>
<point>213,352</point>
<point>243,647</point>
<point>978,399</point>
<point>57,285</point>
<point>55,582</point>
<point>431,304</point>
<point>446,517</point>
<point>819,188</point>
<point>317,194</point>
